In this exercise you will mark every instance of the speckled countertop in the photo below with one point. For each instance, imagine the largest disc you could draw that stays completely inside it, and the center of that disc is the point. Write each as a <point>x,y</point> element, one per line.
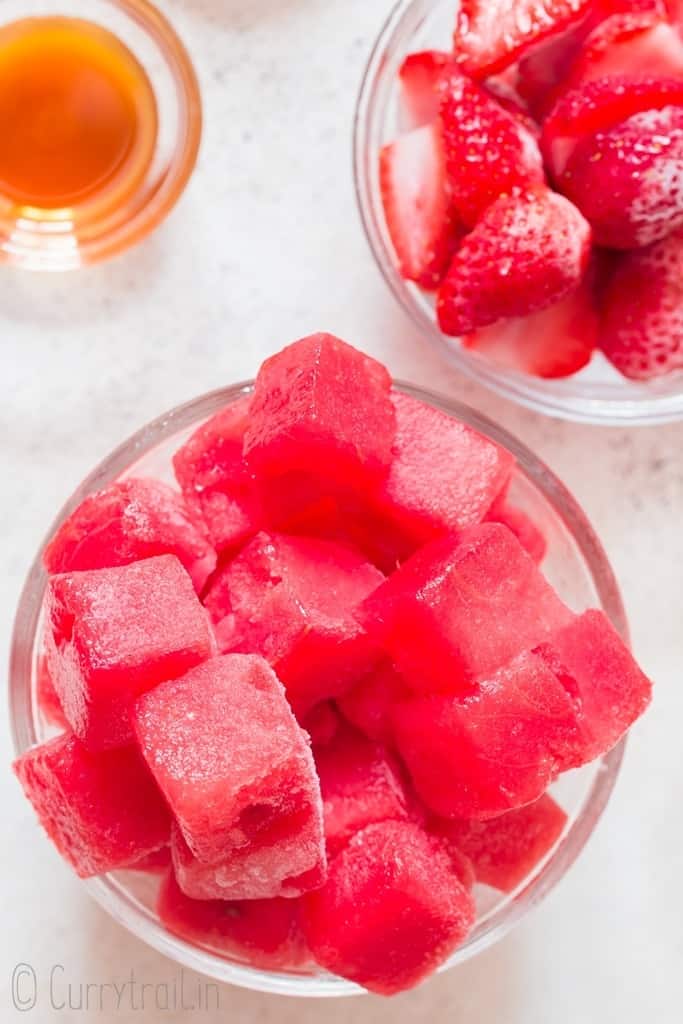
<point>265,247</point>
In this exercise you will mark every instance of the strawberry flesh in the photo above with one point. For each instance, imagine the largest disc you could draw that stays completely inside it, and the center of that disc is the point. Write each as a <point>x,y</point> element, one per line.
<point>423,77</point>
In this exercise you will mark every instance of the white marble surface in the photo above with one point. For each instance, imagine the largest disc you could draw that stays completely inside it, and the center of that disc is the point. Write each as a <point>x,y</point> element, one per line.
<point>265,247</point>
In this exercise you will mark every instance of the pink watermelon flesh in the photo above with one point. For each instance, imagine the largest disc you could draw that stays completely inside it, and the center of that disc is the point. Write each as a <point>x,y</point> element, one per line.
<point>368,704</point>
<point>444,475</point>
<point>262,933</point>
<point>102,811</point>
<point>237,772</point>
<point>321,723</point>
<point>111,634</point>
<point>128,521</point>
<point>462,607</point>
<point>322,410</point>
<point>505,850</point>
<point>292,599</point>
<point>498,749</point>
<point>48,701</point>
<point>156,863</point>
<point>361,783</point>
<point>597,669</point>
<point>392,909</point>
<point>217,481</point>
<point>527,532</point>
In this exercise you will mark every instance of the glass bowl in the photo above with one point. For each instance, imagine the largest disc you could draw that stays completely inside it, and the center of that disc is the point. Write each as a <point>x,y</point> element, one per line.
<point>575,563</point>
<point>65,239</point>
<point>598,394</point>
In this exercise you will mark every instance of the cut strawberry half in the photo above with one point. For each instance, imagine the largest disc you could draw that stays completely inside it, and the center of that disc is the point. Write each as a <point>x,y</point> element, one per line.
<point>638,43</point>
<point>491,34</point>
<point>557,342</point>
<point>599,106</point>
<point>417,205</point>
<point>423,77</point>
<point>489,152</point>
<point>642,320</point>
<point>525,253</point>
<point>628,182</point>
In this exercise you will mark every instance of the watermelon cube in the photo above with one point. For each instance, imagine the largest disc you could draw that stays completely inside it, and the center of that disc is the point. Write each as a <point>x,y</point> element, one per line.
<point>215,479</point>
<point>48,701</point>
<point>156,863</point>
<point>292,599</point>
<point>262,933</point>
<point>597,669</point>
<point>496,749</point>
<point>361,783</point>
<point>505,850</point>
<point>321,723</point>
<point>101,810</point>
<point>368,704</point>
<point>237,772</point>
<point>111,634</point>
<point>321,411</point>
<point>128,521</point>
<point>527,532</point>
<point>391,911</point>
<point>444,475</point>
<point>461,608</point>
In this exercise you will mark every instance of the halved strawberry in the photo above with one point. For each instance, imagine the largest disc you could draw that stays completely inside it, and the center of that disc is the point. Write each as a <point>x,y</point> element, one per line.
<point>417,205</point>
<point>599,106</point>
<point>637,43</point>
<point>526,252</point>
<point>489,152</point>
<point>423,76</point>
<point>628,182</point>
<point>642,318</point>
<point>557,342</point>
<point>491,34</point>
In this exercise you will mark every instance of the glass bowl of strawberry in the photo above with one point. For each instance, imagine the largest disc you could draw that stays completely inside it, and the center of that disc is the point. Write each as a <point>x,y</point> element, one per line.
<point>318,703</point>
<point>519,174</point>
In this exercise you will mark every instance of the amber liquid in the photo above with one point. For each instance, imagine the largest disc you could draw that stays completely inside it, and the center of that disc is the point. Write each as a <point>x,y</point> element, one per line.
<point>78,118</point>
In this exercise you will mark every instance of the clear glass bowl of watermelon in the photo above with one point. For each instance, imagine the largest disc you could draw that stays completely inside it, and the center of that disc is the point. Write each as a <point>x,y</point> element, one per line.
<point>575,563</point>
<point>597,394</point>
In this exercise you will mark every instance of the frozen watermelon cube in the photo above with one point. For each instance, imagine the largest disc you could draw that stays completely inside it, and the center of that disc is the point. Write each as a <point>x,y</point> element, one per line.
<point>597,669</point>
<point>527,532</point>
<point>102,811</point>
<point>392,910</point>
<point>262,933</point>
<point>368,704</point>
<point>504,851</point>
<point>361,783</point>
<point>292,600</point>
<point>499,748</point>
<point>128,521</point>
<point>111,634</point>
<point>235,768</point>
<point>444,475</point>
<point>462,607</point>
<point>48,701</point>
<point>156,863</point>
<point>321,409</point>
<point>216,479</point>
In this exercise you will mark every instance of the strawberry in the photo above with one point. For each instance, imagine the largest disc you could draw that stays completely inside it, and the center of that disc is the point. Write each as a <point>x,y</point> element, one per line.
<point>489,152</point>
<point>642,318</point>
<point>417,205</point>
<point>491,34</point>
<point>628,182</point>
<point>423,76</point>
<point>525,253</point>
<point>640,43</point>
<point>556,342</point>
<point>599,106</point>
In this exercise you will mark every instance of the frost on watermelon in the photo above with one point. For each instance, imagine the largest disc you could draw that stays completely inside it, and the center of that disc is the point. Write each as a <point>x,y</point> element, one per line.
<point>217,481</point>
<point>361,783</point>
<point>262,933</point>
<point>321,421</point>
<point>369,702</point>
<point>111,634</point>
<point>598,671</point>
<point>102,811</point>
<point>504,851</point>
<point>128,521</point>
<point>48,701</point>
<point>238,774</point>
<point>462,607</point>
<point>292,599</point>
<point>392,910</point>
<point>497,749</point>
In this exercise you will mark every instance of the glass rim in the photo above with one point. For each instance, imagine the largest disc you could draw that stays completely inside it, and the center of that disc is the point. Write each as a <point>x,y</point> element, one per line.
<point>113,896</point>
